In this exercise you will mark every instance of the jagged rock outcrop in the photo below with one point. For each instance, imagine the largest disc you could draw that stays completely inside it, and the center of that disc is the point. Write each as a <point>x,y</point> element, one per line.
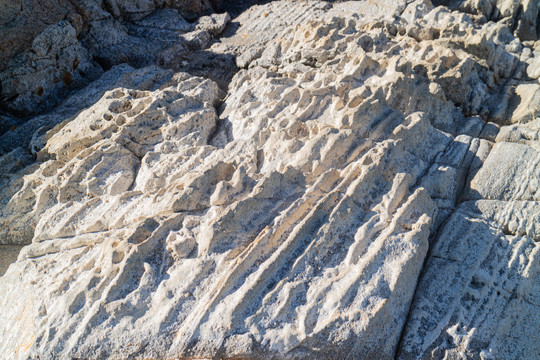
<point>521,16</point>
<point>22,20</point>
<point>367,188</point>
<point>55,63</point>
<point>52,48</point>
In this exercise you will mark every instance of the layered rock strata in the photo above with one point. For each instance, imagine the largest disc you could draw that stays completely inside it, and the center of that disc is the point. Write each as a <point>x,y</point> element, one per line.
<point>367,188</point>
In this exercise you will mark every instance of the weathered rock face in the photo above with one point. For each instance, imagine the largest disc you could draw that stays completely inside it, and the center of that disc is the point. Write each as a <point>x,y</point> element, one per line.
<point>487,257</point>
<point>367,189</point>
<point>56,62</point>
<point>22,21</point>
<point>51,48</point>
<point>521,16</point>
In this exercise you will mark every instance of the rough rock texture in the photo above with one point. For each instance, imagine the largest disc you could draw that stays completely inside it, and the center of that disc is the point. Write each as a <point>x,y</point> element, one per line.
<point>17,222</point>
<point>487,254</point>
<point>368,188</point>
<point>8,255</point>
<point>22,20</point>
<point>52,48</point>
<point>56,61</point>
<point>521,16</point>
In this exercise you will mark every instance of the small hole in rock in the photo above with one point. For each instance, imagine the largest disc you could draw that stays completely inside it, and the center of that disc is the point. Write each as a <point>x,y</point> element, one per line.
<point>67,78</point>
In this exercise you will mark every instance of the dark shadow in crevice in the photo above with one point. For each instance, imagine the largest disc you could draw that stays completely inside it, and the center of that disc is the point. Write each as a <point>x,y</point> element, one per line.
<point>235,8</point>
<point>8,255</point>
<point>217,67</point>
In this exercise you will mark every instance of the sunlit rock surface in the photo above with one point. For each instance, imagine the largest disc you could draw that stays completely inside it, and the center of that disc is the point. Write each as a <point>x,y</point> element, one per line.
<point>366,188</point>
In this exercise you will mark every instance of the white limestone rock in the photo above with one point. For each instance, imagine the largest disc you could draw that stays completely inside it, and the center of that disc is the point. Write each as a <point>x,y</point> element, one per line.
<point>291,219</point>
<point>478,294</point>
<point>510,172</point>
<point>22,213</point>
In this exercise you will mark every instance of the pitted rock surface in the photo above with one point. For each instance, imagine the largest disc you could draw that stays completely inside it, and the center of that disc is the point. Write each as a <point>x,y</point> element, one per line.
<point>51,48</point>
<point>366,188</point>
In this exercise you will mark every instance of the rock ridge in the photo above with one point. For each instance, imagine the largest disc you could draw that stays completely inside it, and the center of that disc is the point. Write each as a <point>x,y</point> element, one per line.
<point>315,180</point>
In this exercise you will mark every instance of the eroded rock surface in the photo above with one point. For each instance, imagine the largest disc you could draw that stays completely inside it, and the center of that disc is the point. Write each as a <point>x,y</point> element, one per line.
<point>53,48</point>
<point>521,16</point>
<point>367,189</point>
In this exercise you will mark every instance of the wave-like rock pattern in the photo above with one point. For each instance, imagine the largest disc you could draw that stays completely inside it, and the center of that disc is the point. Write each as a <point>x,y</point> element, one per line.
<point>367,189</point>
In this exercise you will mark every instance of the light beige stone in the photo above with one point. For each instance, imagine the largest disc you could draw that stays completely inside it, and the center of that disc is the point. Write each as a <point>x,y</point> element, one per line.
<point>293,218</point>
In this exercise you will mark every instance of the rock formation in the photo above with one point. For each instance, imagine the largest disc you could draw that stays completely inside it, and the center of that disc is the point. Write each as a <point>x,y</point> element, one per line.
<point>348,180</point>
<point>52,48</point>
